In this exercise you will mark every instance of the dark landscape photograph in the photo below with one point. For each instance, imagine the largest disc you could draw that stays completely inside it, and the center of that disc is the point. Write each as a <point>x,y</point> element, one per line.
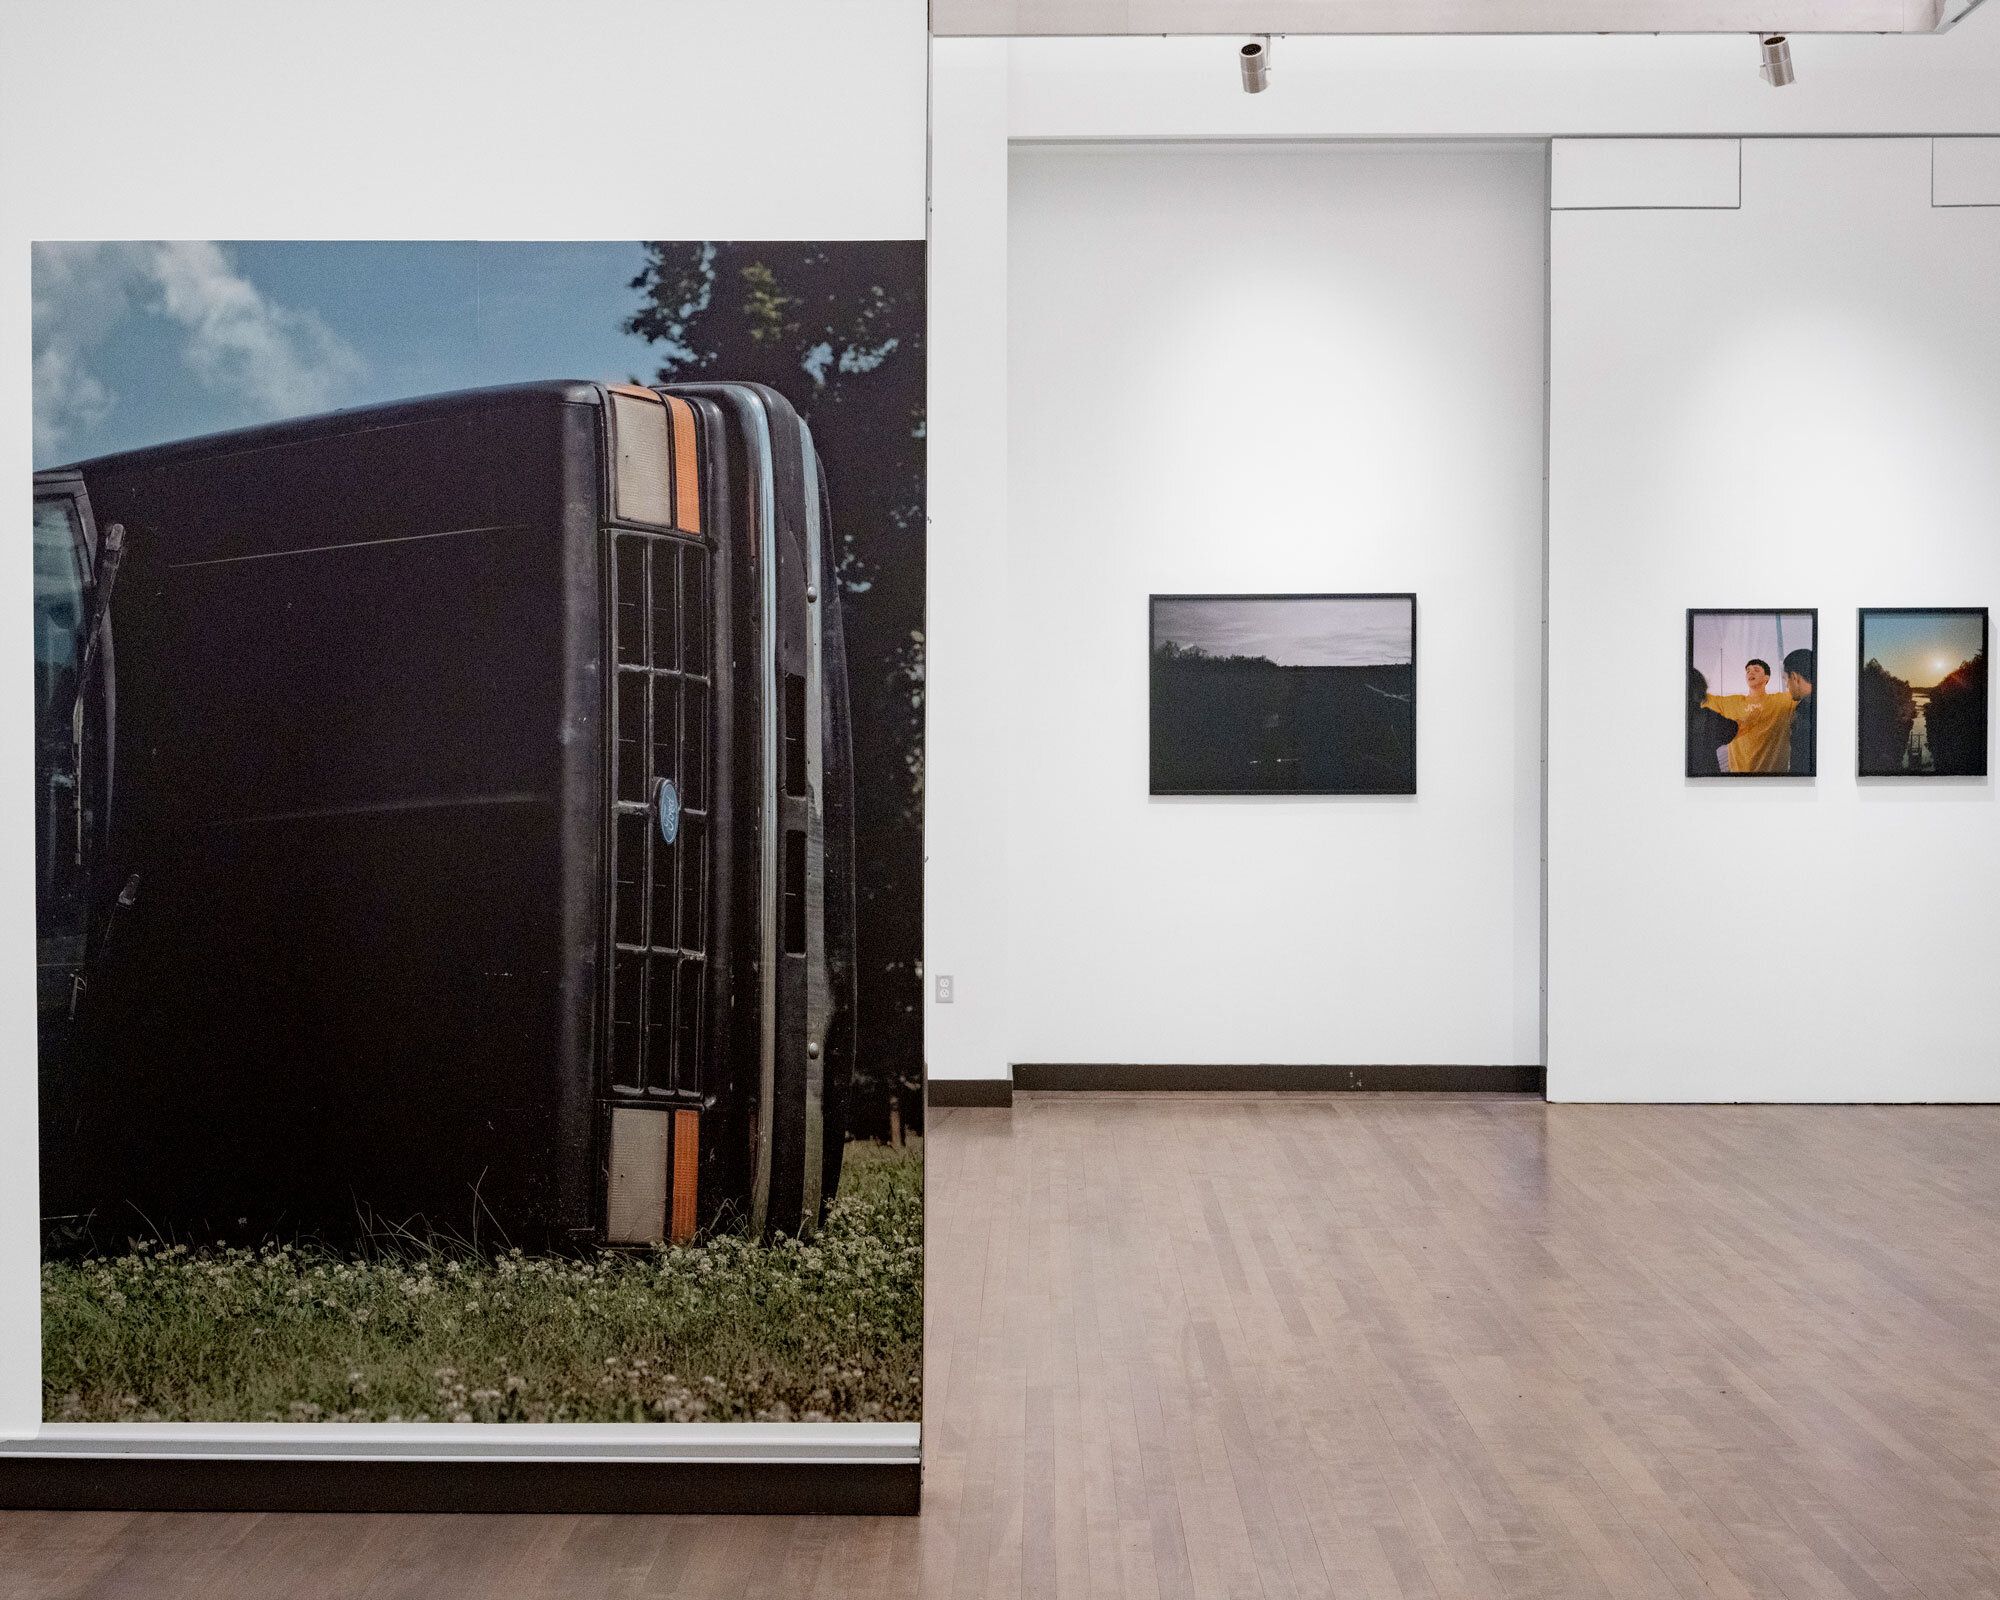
<point>1284,694</point>
<point>1922,696</point>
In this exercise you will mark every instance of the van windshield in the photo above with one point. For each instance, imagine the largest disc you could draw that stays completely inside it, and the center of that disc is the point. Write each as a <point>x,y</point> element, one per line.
<point>59,616</point>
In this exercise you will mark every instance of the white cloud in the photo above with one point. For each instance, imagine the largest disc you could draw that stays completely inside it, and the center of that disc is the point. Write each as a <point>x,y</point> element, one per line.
<point>281,361</point>
<point>287,361</point>
<point>68,397</point>
<point>81,294</point>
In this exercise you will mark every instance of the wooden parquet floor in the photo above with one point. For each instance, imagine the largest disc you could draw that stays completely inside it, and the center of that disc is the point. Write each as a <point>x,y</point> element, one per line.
<point>1339,1346</point>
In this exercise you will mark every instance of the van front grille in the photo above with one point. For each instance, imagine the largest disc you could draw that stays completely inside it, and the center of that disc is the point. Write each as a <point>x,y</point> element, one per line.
<point>663,708</point>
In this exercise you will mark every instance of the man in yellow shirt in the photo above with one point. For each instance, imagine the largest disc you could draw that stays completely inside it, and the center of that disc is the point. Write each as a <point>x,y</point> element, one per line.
<point>1763,741</point>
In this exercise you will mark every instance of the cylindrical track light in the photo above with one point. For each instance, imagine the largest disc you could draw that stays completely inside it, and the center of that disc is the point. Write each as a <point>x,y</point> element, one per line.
<point>1255,59</point>
<point>1777,60</point>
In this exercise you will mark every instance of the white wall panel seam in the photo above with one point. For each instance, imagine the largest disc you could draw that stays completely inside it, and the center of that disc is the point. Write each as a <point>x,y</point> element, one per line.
<point>1970,171</point>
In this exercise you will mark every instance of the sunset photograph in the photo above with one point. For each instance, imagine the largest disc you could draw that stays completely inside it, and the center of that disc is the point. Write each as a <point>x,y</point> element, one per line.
<point>1922,695</point>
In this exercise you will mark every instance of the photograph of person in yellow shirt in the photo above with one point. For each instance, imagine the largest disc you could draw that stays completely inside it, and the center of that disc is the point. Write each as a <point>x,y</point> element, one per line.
<point>1730,654</point>
<point>1763,741</point>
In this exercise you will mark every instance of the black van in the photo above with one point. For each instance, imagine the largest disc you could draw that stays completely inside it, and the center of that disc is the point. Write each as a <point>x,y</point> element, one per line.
<point>445,821</point>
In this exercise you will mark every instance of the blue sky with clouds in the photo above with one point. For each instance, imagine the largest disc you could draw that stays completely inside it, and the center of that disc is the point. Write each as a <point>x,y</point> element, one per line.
<point>1922,647</point>
<point>136,343</point>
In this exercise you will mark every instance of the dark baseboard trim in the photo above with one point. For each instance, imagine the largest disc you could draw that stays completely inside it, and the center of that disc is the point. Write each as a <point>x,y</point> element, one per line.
<point>568,1488</point>
<point>1278,1076</point>
<point>969,1092</point>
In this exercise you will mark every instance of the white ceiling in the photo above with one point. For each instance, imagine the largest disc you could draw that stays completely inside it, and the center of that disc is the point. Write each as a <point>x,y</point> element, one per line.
<point>1014,18</point>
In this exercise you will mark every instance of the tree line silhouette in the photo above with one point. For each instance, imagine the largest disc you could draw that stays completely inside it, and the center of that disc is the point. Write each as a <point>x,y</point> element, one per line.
<point>1954,720</point>
<point>1242,724</point>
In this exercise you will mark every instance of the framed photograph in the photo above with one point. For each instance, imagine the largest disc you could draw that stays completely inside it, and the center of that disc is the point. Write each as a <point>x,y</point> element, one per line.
<point>1752,709</point>
<point>1920,708</point>
<point>1284,694</point>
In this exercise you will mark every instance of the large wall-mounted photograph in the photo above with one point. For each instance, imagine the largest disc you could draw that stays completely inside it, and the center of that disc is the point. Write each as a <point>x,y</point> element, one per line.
<point>478,830</point>
<point>1752,706</point>
<point>1284,694</point>
<point>1922,695</point>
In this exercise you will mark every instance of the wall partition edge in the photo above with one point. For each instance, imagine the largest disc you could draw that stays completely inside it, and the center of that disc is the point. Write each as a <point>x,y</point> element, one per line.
<point>857,178</point>
<point>739,1468</point>
<point>1548,377</point>
<point>969,650</point>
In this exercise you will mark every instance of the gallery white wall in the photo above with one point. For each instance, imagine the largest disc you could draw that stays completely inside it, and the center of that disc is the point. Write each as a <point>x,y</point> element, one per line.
<point>1788,404</point>
<point>496,119</point>
<point>1142,89</point>
<point>967,685</point>
<point>1276,369</point>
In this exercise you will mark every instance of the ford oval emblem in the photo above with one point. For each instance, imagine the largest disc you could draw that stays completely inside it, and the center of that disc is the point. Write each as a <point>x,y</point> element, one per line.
<point>667,807</point>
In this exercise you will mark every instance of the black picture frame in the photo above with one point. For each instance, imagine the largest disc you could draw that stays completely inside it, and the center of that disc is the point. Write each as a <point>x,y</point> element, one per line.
<point>1164,787</point>
<point>1689,767</point>
<point>1862,766</point>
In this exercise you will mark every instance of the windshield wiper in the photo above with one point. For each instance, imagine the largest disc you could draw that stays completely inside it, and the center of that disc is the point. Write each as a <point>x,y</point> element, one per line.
<point>110,551</point>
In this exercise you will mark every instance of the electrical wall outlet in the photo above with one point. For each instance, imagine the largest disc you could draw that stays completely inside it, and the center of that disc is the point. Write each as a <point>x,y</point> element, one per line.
<point>944,988</point>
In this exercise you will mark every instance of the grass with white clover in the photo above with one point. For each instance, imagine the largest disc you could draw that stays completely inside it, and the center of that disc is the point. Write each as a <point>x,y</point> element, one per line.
<point>724,1330</point>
